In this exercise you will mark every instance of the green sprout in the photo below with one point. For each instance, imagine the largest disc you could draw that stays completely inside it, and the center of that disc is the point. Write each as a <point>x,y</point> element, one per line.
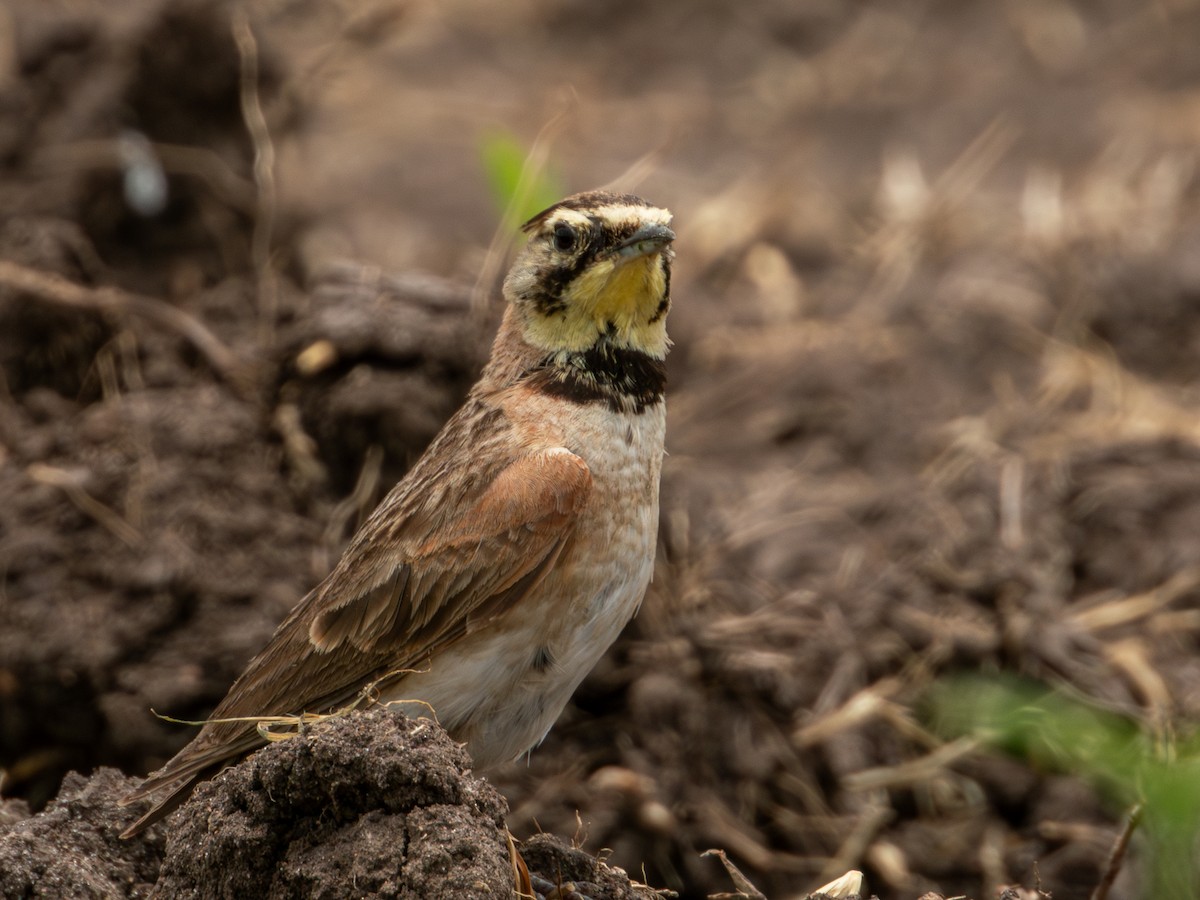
<point>1128,763</point>
<point>521,185</point>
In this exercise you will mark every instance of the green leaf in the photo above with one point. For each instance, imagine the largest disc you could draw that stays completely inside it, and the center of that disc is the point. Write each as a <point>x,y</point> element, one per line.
<point>1118,755</point>
<point>520,188</point>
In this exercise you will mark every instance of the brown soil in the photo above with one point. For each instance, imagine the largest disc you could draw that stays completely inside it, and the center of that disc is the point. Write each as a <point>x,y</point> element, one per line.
<point>372,805</point>
<point>933,409</point>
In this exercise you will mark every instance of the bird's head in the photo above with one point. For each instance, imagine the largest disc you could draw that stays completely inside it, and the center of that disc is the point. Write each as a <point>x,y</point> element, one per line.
<point>597,269</point>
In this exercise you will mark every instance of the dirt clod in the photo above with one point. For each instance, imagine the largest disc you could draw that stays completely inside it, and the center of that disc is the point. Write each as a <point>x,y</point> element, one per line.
<point>72,848</point>
<point>372,804</point>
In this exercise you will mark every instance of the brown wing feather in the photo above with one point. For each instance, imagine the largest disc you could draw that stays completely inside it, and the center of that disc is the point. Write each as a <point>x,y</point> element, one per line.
<point>397,598</point>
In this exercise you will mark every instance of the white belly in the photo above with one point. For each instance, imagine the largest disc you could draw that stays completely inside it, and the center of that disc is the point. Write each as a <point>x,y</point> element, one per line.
<point>500,691</point>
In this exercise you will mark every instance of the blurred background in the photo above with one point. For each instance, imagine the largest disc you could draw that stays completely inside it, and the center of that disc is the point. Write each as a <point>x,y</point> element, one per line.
<point>934,422</point>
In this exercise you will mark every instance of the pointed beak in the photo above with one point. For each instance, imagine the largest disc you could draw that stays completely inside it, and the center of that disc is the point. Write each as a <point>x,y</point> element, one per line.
<point>646,240</point>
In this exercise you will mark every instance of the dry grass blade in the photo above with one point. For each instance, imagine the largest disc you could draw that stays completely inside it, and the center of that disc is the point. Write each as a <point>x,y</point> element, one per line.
<point>264,724</point>
<point>740,836</point>
<point>915,771</point>
<point>964,175</point>
<point>299,446</point>
<point>1117,857</point>
<point>1127,610</point>
<point>69,484</point>
<point>867,704</point>
<point>264,174</point>
<point>522,884</point>
<point>745,889</point>
<point>296,724</point>
<point>1132,658</point>
<point>1122,405</point>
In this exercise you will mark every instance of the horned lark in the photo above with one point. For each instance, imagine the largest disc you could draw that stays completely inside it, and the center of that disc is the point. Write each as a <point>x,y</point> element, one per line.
<point>492,578</point>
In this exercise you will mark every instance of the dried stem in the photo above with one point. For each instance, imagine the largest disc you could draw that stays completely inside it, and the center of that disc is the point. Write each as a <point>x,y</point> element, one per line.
<point>1117,857</point>
<point>55,289</point>
<point>264,176</point>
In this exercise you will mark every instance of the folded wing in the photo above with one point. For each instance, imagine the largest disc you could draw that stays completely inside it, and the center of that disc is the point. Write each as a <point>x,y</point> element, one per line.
<point>414,582</point>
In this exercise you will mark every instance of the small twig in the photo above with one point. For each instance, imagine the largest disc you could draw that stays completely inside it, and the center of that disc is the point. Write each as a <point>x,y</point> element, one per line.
<point>1012,490</point>
<point>1127,610</point>
<point>914,771</point>
<point>366,697</point>
<point>743,884</point>
<point>864,706</point>
<point>298,445</point>
<point>579,838</point>
<point>58,290</point>
<point>88,504</point>
<point>264,174</point>
<point>1117,856</point>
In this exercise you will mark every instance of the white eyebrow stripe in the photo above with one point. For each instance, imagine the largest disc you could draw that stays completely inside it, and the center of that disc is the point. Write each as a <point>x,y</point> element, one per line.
<point>567,216</point>
<point>613,214</point>
<point>625,214</point>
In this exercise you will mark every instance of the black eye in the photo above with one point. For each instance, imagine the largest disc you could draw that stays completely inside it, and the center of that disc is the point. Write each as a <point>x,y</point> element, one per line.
<point>564,238</point>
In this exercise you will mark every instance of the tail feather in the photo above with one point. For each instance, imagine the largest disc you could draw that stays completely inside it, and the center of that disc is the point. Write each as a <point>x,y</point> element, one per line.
<point>162,807</point>
<point>175,781</point>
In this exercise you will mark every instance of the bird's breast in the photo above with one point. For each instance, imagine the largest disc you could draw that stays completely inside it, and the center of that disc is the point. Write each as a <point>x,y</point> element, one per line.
<point>614,541</point>
<point>602,575</point>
